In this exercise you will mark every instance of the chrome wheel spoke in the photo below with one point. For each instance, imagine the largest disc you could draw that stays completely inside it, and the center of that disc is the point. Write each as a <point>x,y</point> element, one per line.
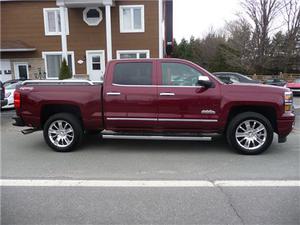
<point>259,129</point>
<point>247,144</point>
<point>238,135</point>
<point>67,140</point>
<point>60,126</point>
<point>70,130</point>
<point>248,127</point>
<point>52,131</point>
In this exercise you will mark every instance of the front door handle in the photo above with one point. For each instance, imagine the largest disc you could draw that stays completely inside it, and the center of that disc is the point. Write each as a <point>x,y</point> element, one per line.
<point>167,94</point>
<point>113,93</point>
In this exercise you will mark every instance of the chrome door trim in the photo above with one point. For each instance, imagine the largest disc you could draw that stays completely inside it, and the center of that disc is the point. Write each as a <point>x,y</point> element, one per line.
<point>187,120</point>
<point>163,120</point>
<point>132,119</point>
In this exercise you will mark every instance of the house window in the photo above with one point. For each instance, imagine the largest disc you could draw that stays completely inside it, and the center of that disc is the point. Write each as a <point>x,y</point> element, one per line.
<point>92,16</point>
<point>133,54</point>
<point>52,21</point>
<point>53,62</point>
<point>132,18</point>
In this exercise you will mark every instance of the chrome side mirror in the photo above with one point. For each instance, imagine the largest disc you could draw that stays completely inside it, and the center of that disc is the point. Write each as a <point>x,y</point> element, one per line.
<point>205,82</point>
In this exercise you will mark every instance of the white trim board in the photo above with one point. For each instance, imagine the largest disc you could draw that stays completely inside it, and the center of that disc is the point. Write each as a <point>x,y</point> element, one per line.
<point>17,49</point>
<point>160,29</point>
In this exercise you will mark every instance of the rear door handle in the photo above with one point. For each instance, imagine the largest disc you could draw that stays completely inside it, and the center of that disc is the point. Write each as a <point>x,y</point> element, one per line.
<point>167,94</point>
<point>113,93</point>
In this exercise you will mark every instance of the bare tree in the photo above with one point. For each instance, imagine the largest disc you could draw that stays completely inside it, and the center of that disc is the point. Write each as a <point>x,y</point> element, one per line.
<point>291,15</point>
<point>262,14</point>
<point>239,34</point>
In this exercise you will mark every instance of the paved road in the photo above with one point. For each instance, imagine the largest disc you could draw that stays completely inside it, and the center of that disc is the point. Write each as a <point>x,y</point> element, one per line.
<point>27,157</point>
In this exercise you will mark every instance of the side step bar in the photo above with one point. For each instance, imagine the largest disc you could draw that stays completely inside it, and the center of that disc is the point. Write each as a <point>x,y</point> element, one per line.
<point>29,131</point>
<point>157,136</point>
<point>143,137</point>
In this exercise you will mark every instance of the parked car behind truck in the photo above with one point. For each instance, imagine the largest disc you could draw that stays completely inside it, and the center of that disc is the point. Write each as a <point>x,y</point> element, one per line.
<point>9,94</point>
<point>169,97</point>
<point>294,86</point>
<point>232,77</point>
<point>3,101</point>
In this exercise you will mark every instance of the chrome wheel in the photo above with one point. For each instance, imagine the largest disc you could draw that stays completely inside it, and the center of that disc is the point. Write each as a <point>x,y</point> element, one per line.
<point>61,133</point>
<point>251,134</point>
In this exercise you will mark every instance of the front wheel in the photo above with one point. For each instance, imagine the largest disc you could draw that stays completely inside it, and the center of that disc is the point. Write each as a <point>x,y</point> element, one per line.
<point>250,133</point>
<point>63,132</point>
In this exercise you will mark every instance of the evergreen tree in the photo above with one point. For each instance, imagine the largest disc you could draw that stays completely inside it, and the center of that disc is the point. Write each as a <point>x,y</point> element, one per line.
<point>64,71</point>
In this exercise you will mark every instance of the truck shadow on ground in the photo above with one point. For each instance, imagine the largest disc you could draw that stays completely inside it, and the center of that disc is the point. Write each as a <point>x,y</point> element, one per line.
<point>95,143</point>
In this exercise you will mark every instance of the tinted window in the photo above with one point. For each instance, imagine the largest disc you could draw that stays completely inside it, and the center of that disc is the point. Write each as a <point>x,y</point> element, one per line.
<point>177,74</point>
<point>133,74</point>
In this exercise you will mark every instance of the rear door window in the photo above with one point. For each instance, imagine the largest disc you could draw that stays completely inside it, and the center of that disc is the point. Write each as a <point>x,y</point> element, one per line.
<point>133,73</point>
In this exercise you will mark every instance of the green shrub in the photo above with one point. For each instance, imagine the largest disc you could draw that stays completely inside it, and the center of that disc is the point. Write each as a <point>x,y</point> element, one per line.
<point>64,72</point>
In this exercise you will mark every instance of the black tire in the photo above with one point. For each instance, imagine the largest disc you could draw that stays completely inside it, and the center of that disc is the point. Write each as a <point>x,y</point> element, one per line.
<point>236,142</point>
<point>76,134</point>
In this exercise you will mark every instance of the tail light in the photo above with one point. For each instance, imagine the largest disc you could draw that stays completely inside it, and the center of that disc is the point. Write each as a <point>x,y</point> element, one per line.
<point>17,100</point>
<point>288,101</point>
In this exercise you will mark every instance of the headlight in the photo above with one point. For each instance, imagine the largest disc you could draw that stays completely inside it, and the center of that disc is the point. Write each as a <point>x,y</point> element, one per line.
<point>7,94</point>
<point>288,101</point>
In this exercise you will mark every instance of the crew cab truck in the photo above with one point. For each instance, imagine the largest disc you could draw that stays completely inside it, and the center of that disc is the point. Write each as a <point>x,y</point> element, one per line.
<point>163,97</point>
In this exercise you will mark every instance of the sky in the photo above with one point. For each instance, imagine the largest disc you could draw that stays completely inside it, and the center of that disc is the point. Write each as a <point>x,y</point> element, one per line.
<point>197,17</point>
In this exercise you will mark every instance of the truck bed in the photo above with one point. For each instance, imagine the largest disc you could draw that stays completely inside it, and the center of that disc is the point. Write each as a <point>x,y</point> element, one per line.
<point>82,98</point>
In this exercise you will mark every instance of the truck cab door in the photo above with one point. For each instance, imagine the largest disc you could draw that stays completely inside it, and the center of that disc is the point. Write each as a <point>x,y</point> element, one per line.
<point>183,104</point>
<point>130,96</point>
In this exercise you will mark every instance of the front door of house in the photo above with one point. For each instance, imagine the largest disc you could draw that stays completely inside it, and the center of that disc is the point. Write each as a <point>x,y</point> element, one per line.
<point>21,71</point>
<point>95,65</point>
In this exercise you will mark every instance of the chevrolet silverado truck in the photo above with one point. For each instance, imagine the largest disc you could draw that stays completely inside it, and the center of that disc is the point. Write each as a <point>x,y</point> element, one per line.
<point>155,97</point>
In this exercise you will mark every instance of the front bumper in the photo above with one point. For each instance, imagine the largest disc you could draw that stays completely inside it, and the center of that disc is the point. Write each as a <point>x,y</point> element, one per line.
<point>285,125</point>
<point>295,90</point>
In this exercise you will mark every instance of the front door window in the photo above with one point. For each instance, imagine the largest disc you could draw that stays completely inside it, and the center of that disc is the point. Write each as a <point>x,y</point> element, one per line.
<point>96,63</point>
<point>177,74</point>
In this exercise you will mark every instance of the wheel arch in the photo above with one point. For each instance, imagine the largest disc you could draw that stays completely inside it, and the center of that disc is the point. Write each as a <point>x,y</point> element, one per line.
<point>49,110</point>
<point>267,111</point>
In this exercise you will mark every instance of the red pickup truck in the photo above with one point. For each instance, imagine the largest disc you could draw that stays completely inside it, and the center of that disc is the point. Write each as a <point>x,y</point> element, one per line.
<point>155,97</point>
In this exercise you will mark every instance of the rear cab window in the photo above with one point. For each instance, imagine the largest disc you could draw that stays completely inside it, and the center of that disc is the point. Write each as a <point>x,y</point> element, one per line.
<point>133,73</point>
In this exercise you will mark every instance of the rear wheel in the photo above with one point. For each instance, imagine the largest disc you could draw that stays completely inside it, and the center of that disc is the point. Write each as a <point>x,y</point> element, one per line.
<point>250,133</point>
<point>63,132</point>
